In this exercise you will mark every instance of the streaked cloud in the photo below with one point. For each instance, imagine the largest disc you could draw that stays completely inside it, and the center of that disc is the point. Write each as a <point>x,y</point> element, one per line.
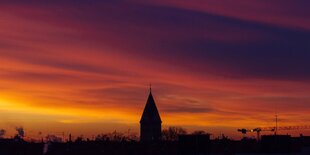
<point>215,64</point>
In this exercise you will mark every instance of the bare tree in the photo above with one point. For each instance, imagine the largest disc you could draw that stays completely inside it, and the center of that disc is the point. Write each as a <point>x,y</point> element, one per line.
<point>172,133</point>
<point>79,139</point>
<point>53,138</point>
<point>116,136</point>
<point>199,132</point>
<point>20,132</point>
<point>102,137</point>
<point>2,133</point>
<point>133,137</point>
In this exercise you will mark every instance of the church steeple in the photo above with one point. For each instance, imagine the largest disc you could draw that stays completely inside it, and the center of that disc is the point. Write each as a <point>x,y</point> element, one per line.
<point>150,113</point>
<point>150,123</point>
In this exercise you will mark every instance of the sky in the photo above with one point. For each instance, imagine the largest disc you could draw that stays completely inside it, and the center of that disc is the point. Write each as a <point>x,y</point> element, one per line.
<point>84,66</point>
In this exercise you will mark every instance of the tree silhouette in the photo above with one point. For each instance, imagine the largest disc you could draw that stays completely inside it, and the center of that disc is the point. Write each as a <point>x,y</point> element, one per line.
<point>172,133</point>
<point>198,132</point>
<point>2,133</point>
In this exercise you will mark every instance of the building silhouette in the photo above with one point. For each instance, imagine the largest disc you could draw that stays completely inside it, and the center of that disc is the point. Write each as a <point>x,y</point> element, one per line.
<point>150,123</point>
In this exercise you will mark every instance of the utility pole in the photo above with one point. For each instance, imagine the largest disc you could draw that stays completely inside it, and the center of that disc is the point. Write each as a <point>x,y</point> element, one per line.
<point>276,128</point>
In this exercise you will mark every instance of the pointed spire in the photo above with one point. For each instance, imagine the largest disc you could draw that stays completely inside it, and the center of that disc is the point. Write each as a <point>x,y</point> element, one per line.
<point>150,87</point>
<point>150,113</point>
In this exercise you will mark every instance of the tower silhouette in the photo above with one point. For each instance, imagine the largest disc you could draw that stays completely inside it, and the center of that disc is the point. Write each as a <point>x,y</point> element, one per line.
<point>150,123</point>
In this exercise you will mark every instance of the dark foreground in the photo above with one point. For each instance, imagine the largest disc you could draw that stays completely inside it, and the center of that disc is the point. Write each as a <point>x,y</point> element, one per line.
<point>184,146</point>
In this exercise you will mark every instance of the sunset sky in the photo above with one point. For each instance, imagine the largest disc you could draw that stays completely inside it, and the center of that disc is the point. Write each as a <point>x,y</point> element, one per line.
<point>84,66</point>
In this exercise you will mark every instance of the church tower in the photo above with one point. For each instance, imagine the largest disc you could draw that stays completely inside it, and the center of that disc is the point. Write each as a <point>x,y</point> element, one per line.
<point>150,123</point>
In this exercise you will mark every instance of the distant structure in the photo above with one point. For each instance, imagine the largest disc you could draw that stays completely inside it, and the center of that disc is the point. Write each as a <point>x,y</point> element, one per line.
<point>150,123</point>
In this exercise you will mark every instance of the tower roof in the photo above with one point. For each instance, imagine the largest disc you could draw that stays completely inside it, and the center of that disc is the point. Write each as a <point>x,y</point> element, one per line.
<point>150,113</point>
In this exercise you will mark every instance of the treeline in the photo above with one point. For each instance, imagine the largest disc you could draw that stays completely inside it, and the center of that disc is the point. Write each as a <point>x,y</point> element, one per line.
<point>168,134</point>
